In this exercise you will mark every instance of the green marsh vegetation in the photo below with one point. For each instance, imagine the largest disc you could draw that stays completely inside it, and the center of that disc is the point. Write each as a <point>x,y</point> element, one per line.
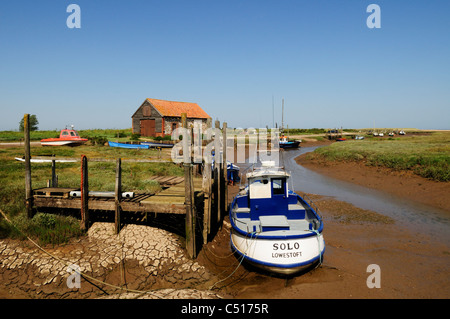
<point>55,229</point>
<point>427,155</point>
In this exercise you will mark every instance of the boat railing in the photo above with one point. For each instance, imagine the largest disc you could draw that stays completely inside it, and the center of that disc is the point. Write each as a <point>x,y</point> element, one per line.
<point>310,202</point>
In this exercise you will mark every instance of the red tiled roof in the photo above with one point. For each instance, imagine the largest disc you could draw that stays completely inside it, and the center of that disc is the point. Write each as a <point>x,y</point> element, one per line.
<point>171,108</point>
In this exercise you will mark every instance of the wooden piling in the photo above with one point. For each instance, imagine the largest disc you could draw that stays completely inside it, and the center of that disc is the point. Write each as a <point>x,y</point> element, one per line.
<point>84,193</point>
<point>217,172</point>
<point>189,190</point>
<point>54,176</point>
<point>118,195</point>
<point>224,199</point>
<point>207,188</point>
<point>28,187</point>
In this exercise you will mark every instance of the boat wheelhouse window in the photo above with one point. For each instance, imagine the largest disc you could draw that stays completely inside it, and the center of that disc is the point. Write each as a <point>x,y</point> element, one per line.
<point>65,133</point>
<point>278,186</point>
<point>72,134</point>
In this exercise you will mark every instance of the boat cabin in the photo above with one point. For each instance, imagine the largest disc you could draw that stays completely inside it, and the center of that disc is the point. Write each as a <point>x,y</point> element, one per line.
<point>67,133</point>
<point>269,200</point>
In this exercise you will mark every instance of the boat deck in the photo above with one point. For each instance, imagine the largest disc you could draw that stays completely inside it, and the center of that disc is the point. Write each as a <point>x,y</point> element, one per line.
<point>277,225</point>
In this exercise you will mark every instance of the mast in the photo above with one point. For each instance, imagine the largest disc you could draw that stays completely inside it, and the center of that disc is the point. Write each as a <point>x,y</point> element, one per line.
<point>273,113</point>
<point>282,114</point>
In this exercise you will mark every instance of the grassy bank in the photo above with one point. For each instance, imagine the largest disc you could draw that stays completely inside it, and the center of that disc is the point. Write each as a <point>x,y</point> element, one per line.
<point>426,155</point>
<point>135,177</point>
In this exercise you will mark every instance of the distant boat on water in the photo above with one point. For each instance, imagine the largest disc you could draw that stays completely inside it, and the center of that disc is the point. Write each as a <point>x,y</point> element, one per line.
<point>285,143</point>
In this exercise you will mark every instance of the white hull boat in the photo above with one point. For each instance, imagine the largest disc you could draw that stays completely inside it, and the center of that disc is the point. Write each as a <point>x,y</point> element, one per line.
<point>273,228</point>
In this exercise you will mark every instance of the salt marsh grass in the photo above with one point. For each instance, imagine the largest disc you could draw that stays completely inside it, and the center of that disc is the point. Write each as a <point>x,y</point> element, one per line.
<point>135,178</point>
<point>427,155</point>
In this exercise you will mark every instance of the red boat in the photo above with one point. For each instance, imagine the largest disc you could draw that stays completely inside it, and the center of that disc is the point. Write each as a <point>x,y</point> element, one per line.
<point>68,137</point>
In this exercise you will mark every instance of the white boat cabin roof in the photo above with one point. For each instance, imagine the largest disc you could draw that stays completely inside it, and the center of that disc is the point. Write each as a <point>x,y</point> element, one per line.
<point>267,170</point>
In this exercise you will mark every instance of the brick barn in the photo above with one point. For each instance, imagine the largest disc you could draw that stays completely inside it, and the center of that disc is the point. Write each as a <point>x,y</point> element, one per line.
<point>159,117</point>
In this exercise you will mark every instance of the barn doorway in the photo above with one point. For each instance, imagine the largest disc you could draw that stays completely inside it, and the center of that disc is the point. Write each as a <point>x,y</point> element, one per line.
<point>148,127</point>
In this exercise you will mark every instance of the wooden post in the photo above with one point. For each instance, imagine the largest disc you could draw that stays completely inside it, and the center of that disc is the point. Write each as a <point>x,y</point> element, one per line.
<point>207,193</point>
<point>118,194</point>
<point>206,184</point>
<point>84,193</point>
<point>54,177</point>
<point>224,199</point>
<point>217,172</point>
<point>28,186</point>
<point>188,184</point>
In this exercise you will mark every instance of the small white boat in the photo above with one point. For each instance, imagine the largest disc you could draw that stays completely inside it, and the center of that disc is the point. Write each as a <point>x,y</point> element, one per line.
<point>45,160</point>
<point>273,228</point>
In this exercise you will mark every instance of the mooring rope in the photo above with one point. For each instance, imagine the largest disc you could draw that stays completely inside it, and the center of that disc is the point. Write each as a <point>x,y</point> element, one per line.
<point>84,275</point>
<point>241,259</point>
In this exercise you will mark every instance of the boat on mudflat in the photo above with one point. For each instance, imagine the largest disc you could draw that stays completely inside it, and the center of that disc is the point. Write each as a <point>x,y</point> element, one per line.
<point>233,173</point>
<point>285,143</point>
<point>156,144</point>
<point>274,228</point>
<point>68,137</point>
<point>131,146</point>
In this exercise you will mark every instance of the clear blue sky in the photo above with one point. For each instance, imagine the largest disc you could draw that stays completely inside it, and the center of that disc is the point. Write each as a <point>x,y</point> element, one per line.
<point>231,57</point>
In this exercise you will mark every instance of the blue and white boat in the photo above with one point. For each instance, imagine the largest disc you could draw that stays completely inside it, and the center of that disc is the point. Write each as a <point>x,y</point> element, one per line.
<point>273,228</point>
<point>232,173</point>
<point>285,143</point>
<point>232,170</point>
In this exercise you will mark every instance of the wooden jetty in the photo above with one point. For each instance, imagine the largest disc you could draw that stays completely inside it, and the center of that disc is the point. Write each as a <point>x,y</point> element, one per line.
<point>169,200</point>
<point>189,195</point>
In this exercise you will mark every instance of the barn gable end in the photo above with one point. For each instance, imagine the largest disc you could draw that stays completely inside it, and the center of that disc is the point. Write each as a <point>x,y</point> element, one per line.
<point>160,117</point>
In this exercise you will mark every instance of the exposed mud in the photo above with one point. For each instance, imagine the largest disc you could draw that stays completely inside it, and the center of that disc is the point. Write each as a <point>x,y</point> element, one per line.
<point>148,259</point>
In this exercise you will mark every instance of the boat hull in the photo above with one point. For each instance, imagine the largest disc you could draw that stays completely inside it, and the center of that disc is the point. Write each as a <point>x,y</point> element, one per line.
<point>290,144</point>
<point>131,146</point>
<point>278,255</point>
<point>61,142</point>
<point>153,144</point>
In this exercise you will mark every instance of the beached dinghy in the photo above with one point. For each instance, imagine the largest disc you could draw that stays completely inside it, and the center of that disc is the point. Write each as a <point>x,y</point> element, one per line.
<point>274,228</point>
<point>130,146</point>
<point>67,137</point>
<point>156,144</point>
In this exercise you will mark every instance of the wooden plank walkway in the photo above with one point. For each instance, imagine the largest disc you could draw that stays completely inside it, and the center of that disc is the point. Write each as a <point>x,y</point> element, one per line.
<point>167,180</point>
<point>170,200</point>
